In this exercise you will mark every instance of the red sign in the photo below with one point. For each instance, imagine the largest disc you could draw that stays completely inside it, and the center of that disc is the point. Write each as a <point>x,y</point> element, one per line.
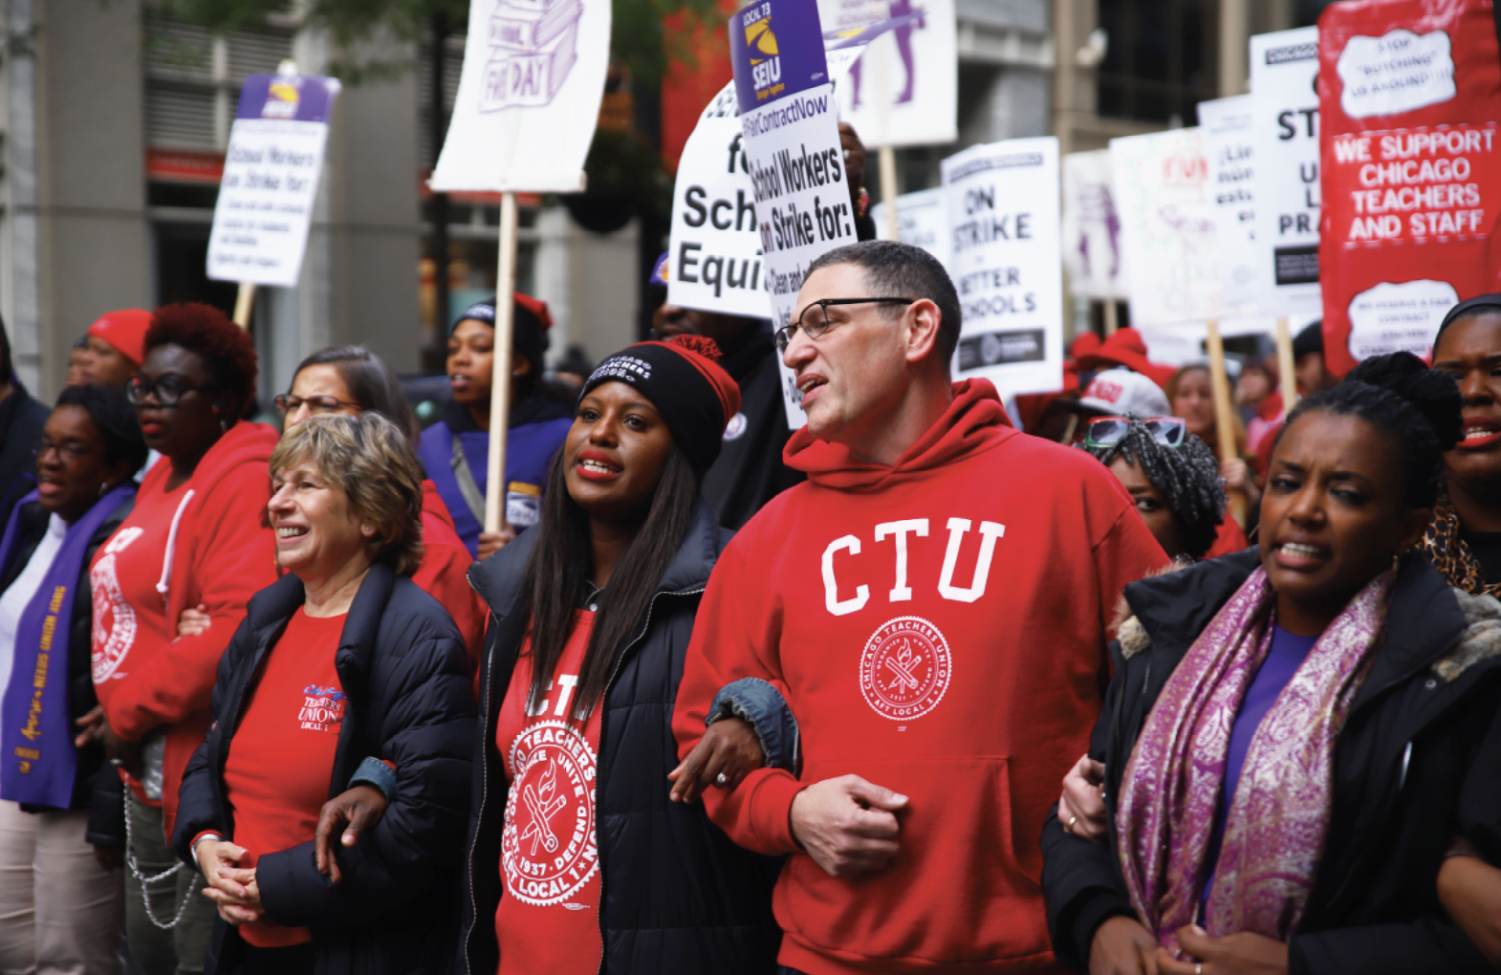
<point>184,165</point>
<point>1409,98</point>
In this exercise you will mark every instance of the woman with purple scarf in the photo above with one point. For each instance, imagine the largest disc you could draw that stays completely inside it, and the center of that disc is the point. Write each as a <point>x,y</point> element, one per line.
<point>1295,735</point>
<point>61,901</point>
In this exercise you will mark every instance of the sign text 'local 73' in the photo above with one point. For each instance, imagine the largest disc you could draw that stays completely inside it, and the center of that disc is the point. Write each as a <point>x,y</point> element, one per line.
<point>270,179</point>
<point>790,128</point>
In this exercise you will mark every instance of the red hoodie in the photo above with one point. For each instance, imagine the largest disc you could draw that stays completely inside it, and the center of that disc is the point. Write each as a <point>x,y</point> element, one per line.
<point>938,628</point>
<point>443,573</point>
<point>218,554</point>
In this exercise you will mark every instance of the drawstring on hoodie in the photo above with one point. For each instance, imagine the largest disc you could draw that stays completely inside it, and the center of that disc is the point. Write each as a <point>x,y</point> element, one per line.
<point>166,580</point>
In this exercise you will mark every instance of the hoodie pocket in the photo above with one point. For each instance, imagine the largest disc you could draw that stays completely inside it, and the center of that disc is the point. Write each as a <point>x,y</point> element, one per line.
<point>954,893</point>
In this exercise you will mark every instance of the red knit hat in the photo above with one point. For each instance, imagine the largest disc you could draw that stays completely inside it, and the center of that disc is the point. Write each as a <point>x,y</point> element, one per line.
<point>125,331</point>
<point>1126,348</point>
<point>683,379</point>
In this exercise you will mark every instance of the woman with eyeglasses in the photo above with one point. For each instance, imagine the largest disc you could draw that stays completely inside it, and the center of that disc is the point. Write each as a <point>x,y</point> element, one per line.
<point>455,450</point>
<point>61,905</point>
<point>350,379</point>
<point>1170,473</point>
<point>196,539</point>
<point>1293,734</point>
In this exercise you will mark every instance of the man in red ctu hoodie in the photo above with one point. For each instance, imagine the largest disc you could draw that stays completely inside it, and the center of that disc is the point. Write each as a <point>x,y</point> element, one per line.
<point>933,603</point>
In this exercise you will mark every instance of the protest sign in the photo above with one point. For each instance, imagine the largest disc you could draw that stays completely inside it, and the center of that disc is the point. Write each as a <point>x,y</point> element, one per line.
<point>1092,252</point>
<point>714,261</point>
<point>1166,208</point>
<point>529,94</point>
<point>1284,138</point>
<point>904,89</point>
<point>1409,97</point>
<point>1003,245</point>
<point>270,179</point>
<point>922,220</point>
<point>1225,125</point>
<point>790,136</point>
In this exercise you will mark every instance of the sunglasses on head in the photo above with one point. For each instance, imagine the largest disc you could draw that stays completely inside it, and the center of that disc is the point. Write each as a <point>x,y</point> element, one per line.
<point>1107,431</point>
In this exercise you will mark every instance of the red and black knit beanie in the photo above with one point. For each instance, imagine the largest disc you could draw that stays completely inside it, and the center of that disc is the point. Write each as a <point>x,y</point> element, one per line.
<point>683,380</point>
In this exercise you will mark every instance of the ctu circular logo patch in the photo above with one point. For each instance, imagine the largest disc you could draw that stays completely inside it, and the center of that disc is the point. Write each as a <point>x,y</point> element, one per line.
<point>906,668</point>
<point>547,847</point>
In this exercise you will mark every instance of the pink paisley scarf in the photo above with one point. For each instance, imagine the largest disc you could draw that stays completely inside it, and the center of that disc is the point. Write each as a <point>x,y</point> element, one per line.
<point>1277,822</point>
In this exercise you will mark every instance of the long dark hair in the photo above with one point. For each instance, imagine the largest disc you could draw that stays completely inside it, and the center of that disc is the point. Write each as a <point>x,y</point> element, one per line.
<point>560,568</point>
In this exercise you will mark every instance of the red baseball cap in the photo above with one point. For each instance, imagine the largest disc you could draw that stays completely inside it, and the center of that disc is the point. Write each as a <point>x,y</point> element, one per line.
<point>125,331</point>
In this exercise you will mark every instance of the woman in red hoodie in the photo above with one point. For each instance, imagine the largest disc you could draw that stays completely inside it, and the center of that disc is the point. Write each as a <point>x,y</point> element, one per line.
<point>195,539</point>
<point>351,379</point>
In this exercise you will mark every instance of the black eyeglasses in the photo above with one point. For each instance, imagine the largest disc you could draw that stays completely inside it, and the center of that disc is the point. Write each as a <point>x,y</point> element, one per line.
<point>69,452</point>
<point>288,403</point>
<point>1107,431</point>
<point>816,326</point>
<point>169,389</point>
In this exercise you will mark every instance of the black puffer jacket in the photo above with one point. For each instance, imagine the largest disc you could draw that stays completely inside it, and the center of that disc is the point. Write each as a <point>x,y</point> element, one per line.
<point>1419,758</point>
<point>33,527</point>
<point>403,665</point>
<point>678,896</point>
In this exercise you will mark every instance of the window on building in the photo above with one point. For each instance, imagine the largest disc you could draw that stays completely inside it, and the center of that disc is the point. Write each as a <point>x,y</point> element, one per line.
<point>192,86</point>
<point>1161,60</point>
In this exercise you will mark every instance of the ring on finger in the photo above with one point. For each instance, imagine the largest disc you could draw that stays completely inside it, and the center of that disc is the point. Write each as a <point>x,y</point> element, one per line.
<point>1070,827</point>
<point>721,780</point>
<point>1198,968</point>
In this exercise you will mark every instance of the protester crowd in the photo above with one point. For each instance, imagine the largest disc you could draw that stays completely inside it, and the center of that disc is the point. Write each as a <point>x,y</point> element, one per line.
<point>926,685</point>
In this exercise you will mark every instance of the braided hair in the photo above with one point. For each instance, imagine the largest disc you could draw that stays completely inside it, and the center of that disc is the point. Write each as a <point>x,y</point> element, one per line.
<point>1416,408</point>
<point>1187,477</point>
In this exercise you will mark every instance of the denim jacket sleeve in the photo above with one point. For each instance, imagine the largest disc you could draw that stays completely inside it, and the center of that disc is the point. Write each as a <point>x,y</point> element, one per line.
<point>763,707</point>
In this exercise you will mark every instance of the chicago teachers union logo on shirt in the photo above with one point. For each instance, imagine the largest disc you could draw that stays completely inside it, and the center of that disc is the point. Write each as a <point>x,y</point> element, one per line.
<point>906,668</point>
<point>547,849</point>
<point>114,630</point>
<point>322,708</point>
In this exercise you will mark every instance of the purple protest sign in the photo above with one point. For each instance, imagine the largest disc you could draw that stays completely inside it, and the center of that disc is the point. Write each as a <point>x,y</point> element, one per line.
<point>777,49</point>
<point>287,97</point>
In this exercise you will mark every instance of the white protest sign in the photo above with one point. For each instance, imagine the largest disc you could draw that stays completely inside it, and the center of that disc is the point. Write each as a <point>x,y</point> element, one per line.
<point>1004,240</point>
<point>904,89</point>
<point>1225,125</point>
<point>789,123</point>
<point>270,182</point>
<point>529,94</point>
<point>1285,139</point>
<point>715,249</point>
<point>1092,252</point>
<point>1163,196</point>
<point>714,254</point>
<point>922,220</point>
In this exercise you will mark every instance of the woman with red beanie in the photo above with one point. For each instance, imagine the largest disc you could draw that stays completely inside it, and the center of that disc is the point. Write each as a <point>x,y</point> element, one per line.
<point>195,539</point>
<point>578,861</point>
<point>455,450</point>
<point>115,347</point>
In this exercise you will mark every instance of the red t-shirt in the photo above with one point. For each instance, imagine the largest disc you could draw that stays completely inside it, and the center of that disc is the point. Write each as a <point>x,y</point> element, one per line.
<point>276,778</point>
<point>130,616</point>
<point>548,919</point>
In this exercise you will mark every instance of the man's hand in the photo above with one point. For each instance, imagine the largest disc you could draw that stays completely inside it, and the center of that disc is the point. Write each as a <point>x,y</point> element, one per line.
<point>231,887</point>
<point>729,748</point>
<point>1236,954</point>
<point>1123,946</point>
<point>847,825</point>
<point>1081,810</point>
<point>492,542</point>
<point>360,808</point>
